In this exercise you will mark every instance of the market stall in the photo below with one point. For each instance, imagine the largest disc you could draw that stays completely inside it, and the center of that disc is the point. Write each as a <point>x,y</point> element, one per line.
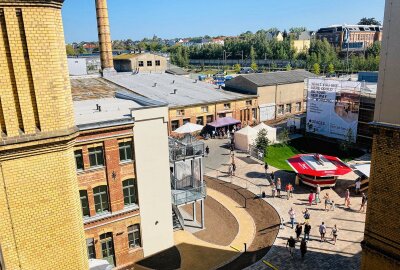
<point>245,137</point>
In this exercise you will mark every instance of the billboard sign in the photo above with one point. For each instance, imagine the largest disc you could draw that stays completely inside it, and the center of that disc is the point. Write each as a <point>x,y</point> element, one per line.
<point>333,107</point>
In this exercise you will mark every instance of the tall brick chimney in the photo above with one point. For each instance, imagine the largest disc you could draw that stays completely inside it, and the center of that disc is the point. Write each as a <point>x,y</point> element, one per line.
<point>103,27</point>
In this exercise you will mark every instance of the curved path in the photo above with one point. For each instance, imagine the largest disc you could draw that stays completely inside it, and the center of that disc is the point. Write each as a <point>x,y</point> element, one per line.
<point>198,254</point>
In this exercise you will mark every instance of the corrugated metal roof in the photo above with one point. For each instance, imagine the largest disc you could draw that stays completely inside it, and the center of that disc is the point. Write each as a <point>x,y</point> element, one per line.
<point>273,78</point>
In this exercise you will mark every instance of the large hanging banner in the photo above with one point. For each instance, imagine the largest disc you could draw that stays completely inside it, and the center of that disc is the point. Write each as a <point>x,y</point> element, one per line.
<point>333,107</point>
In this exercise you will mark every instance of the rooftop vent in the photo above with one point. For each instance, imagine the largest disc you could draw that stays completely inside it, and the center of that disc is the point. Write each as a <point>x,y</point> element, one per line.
<point>173,81</point>
<point>195,81</point>
<point>174,93</point>
<point>155,84</point>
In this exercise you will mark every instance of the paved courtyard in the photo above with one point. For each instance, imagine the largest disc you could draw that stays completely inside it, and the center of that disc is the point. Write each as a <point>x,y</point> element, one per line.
<point>350,223</point>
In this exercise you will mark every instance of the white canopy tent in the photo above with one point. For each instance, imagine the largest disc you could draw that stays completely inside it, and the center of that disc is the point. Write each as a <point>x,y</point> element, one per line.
<point>188,128</point>
<point>245,137</point>
<point>271,132</point>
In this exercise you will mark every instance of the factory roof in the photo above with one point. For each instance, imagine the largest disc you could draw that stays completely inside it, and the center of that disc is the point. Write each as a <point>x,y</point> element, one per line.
<point>272,78</point>
<point>177,91</point>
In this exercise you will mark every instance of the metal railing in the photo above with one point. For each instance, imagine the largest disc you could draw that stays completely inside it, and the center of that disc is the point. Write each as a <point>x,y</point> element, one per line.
<point>189,195</point>
<point>179,150</point>
<point>186,182</point>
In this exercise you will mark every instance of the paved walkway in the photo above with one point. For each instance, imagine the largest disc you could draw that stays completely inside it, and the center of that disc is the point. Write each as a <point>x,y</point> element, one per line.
<point>344,255</point>
<point>199,254</point>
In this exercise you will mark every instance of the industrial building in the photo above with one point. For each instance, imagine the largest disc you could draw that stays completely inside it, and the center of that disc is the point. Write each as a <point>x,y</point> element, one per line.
<point>280,94</point>
<point>190,100</point>
<point>140,62</point>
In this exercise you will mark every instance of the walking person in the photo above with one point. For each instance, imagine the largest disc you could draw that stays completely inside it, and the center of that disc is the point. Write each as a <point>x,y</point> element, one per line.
<point>306,215</point>
<point>289,190</point>
<point>292,215</point>
<point>207,150</point>
<point>278,187</point>
<point>347,198</point>
<point>292,245</point>
<point>310,198</point>
<point>307,230</point>
<point>272,176</point>
<point>358,185</point>
<point>298,230</point>
<point>327,201</point>
<point>322,231</point>
<point>233,169</point>
<point>364,199</point>
<point>266,169</point>
<point>334,234</point>
<point>303,248</point>
<point>230,170</point>
<point>317,193</point>
<point>273,190</point>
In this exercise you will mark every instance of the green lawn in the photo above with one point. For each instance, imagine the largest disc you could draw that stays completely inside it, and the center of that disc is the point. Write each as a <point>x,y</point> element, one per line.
<point>278,154</point>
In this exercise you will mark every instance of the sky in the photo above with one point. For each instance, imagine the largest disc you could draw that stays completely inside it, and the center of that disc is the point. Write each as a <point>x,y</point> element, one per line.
<point>136,19</point>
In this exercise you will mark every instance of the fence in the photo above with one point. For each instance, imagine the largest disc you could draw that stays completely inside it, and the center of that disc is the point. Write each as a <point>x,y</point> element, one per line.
<point>256,153</point>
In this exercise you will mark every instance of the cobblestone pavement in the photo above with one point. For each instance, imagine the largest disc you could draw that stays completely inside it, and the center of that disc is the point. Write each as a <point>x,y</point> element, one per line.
<point>346,254</point>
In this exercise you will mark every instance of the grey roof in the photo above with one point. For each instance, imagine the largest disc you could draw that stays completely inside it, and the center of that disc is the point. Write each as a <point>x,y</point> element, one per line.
<point>273,78</point>
<point>305,35</point>
<point>161,86</point>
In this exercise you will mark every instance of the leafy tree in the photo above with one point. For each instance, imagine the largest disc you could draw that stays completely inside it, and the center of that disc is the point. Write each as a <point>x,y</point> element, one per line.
<point>369,21</point>
<point>82,50</point>
<point>254,66</point>
<point>331,68</point>
<point>262,141</point>
<point>70,50</point>
<point>236,68</point>
<point>284,136</point>
<point>316,69</point>
<point>288,67</point>
<point>252,54</point>
<point>374,50</point>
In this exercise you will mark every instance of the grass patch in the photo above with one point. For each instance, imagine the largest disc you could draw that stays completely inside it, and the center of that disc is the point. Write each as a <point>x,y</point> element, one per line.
<point>278,154</point>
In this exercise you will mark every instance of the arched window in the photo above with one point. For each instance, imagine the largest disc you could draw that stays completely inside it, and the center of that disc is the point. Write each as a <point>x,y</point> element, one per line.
<point>100,194</point>
<point>134,236</point>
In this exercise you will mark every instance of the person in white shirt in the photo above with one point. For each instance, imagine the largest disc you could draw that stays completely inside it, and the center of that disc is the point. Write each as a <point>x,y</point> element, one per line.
<point>358,186</point>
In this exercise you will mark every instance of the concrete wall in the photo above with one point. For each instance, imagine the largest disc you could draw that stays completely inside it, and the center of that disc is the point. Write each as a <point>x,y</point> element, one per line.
<point>77,66</point>
<point>153,177</point>
<point>387,109</point>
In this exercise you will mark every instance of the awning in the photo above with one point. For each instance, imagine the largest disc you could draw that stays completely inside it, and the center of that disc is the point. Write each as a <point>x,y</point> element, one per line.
<point>223,122</point>
<point>188,128</point>
<point>363,168</point>
<point>318,165</point>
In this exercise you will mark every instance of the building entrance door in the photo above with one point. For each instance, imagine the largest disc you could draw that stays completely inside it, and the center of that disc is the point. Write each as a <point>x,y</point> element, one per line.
<point>107,247</point>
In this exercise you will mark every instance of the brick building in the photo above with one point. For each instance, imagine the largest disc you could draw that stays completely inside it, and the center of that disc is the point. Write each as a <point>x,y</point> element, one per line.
<point>360,37</point>
<point>39,202</point>
<point>381,244</point>
<point>112,187</point>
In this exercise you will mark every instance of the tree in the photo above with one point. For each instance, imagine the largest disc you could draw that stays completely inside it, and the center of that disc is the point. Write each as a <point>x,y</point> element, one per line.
<point>254,66</point>
<point>262,141</point>
<point>374,50</point>
<point>252,54</point>
<point>316,69</point>
<point>288,67</point>
<point>284,136</point>
<point>70,50</point>
<point>369,21</point>
<point>82,50</point>
<point>331,68</point>
<point>236,68</point>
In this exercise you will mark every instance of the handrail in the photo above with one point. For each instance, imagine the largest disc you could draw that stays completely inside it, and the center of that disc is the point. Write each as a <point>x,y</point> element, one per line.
<point>189,195</point>
<point>179,215</point>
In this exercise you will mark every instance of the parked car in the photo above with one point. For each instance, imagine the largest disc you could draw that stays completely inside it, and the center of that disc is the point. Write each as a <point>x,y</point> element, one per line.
<point>246,70</point>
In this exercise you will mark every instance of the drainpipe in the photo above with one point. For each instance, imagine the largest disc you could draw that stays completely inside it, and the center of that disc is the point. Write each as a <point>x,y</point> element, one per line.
<point>276,110</point>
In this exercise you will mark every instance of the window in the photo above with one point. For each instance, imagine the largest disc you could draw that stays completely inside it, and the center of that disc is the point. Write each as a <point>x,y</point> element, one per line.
<point>90,248</point>
<point>101,199</point>
<point>221,115</point>
<point>288,108</point>
<point>107,247</point>
<point>186,120</point>
<point>210,118</point>
<point>227,106</point>
<point>254,112</point>
<point>298,106</point>
<point>141,64</point>
<point>180,112</point>
<point>129,190</point>
<point>84,203</point>
<point>134,236</point>
<point>174,125</point>
<point>200,120</point>
<point>204,109</point>
<point>158,63</point>
<point>125,151</point>
<point>96,157</point>
<point>249,102</point>
<point>149,63</point>
<point>280,109</point>
<point>78,160</point>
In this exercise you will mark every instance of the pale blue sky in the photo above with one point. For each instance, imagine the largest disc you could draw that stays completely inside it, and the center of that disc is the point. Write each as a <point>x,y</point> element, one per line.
<point>182,18</point>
